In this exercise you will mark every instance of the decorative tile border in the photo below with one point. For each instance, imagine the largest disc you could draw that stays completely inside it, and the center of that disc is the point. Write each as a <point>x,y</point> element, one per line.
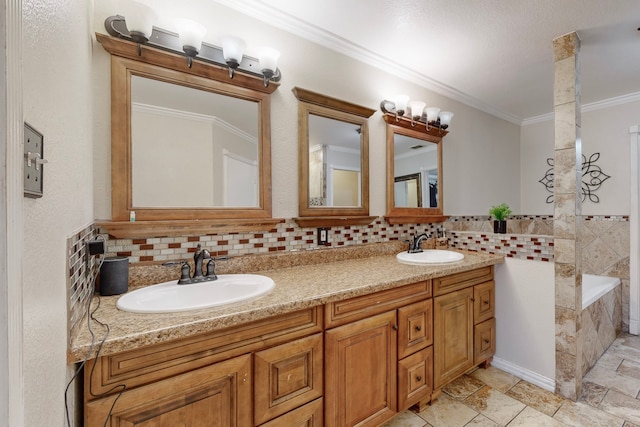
<point>81,277</point>
<point>528,247</point>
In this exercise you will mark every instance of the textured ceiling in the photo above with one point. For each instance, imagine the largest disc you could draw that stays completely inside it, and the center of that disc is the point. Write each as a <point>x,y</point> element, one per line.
<point>495,55</point>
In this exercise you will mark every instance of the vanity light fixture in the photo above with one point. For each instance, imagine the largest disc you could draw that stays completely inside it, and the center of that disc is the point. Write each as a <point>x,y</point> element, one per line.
<point>191,34</point>
<point>430,117</point>
<point>139,28</point>
<point>232,50</point>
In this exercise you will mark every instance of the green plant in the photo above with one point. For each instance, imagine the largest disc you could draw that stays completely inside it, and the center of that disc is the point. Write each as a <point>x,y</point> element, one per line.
<point>500,212</point>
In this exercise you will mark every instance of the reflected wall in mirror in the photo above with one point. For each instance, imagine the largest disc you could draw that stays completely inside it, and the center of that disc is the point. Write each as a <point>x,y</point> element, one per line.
<point>184,145</point>
<point>333,142</point>
<point>414,173</point>
<point>191,148</point>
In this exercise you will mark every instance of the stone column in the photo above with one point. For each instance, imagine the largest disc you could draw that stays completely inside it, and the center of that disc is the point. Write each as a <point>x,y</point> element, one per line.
<point>567,215</point>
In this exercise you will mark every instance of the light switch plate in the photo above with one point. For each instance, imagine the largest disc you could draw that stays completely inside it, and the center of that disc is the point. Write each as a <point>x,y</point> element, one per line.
<point>323,236</point>
<point>33,162</point>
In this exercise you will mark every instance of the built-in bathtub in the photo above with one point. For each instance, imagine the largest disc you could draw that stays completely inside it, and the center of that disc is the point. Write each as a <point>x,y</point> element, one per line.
<point>601,316</point>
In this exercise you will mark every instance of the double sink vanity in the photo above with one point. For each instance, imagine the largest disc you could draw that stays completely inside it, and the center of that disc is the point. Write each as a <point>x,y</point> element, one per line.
<point>345,337</point>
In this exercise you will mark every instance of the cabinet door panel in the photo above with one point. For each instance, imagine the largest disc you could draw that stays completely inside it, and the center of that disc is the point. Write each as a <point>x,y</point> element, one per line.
<point>484,302</point>
<point>287,376</point>
<point>415,327</point>
<point>309,415</point>
<point>360,372</point>
<point>217,395</point>
<point>453,335</point>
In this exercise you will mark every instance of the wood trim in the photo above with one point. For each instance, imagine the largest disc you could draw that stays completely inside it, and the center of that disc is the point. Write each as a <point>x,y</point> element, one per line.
<point>405,122</point>
<point>139,229</point>
<point>330,221</point>
<point>415,219</point>
<point>310,97</point>
<point>341,312</point>
<point>155,362</point>
<point>164,58</point>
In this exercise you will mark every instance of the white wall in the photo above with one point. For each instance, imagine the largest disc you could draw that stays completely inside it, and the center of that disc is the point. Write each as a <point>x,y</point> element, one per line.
<point>58,103</point>
<point>476,143</point>
<point>605,130</point>
<point>525,320</point>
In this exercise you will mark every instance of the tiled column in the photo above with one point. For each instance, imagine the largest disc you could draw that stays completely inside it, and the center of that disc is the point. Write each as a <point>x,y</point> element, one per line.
<point>567,215</point>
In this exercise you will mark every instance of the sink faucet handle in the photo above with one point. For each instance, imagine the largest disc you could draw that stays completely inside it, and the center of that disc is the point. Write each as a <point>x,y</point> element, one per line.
<point>211,270</point>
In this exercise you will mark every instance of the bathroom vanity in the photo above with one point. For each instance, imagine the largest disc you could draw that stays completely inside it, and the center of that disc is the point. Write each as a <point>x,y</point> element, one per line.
<point>342,343</point>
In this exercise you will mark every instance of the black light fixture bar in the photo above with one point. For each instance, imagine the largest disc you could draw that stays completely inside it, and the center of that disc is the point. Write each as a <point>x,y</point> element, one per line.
<point>167,40</point>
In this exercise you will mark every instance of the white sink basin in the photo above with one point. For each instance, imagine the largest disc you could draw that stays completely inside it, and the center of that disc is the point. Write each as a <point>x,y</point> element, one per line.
<point>170,297</point>
<point>430,256</point>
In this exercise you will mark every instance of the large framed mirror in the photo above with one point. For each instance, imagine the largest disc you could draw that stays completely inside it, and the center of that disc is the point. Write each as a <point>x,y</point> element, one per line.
<point>414,173</point>
<point>186,146</point>
<point>333,149</point>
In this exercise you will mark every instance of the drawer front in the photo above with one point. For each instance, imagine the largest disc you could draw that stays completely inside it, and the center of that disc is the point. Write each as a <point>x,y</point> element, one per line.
<point>415,327</point>
<point>155,362</point>
<point>415,378</point>
<point>287,376</point>
<point>485,341</point>
<point>309,415</point>
<point>484,300</point>
<point>352,309</point>
<point>446,284</point>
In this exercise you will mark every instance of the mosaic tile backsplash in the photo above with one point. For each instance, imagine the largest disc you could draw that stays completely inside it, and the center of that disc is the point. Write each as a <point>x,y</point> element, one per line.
<point>528,237</point>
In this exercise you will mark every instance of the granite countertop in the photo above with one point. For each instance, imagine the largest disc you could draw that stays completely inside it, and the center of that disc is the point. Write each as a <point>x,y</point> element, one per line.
<point>296,288</point>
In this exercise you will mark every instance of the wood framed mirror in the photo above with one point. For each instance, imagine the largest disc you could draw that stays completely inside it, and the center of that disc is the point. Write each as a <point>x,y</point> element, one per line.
<point>414,172</point>
<point>333,156</point>
<point>190,150</point>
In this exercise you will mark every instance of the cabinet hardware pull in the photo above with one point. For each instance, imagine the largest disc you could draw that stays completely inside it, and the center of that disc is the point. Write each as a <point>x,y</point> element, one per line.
<point>418,328</point>
<point>473,300</point>
<point>395,327</point>
<point>418,378</point>
<point>486,341</point>
<point>485,302</point>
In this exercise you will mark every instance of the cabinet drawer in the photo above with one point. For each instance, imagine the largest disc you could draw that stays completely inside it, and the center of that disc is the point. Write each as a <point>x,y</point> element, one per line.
<point>341,312</point>
<point>415,327</point>
<point>309,415</point>
<point>415,378</point>
<point>484,300</point>
<point>443,285</point>
<point>287,376</point>
<point>485,341</point>
<point>155,362</point>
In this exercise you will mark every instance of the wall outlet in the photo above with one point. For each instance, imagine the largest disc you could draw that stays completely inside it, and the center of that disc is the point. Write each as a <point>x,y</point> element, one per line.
<point>323,236</point>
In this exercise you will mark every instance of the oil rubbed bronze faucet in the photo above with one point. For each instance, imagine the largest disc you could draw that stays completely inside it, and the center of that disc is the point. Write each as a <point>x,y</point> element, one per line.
<point>199,256</point>
<point>415,245</point>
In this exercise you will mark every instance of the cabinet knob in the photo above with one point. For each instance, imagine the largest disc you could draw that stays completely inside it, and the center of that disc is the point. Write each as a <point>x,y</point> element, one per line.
<point>395,327</point>
<point>473,299</point>
<point>418,327</point>
<point>486,341</point>
<point>485,302</point>
<point>418,378</point>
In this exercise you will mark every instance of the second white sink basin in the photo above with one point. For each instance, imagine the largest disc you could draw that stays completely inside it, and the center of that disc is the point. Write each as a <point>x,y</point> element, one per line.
<point>169,297</point>
<point>430,256</point>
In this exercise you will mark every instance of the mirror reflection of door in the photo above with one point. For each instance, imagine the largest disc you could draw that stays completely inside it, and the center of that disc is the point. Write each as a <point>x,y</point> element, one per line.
<point>332,143</point>
<point>415,160</point>
<point>408,190</point>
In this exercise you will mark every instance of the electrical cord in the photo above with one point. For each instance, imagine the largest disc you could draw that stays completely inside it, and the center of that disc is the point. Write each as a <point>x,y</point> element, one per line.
<point>123,387</point>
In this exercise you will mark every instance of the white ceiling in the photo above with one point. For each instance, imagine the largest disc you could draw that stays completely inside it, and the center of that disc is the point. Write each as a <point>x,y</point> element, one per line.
<point>495,55</point>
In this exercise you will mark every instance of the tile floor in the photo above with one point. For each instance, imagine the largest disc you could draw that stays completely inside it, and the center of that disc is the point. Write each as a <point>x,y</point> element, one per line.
<point>491,397</point>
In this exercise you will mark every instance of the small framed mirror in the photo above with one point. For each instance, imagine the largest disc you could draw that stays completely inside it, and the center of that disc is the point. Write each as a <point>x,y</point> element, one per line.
<point>414,173</point>
<point>333,147</point>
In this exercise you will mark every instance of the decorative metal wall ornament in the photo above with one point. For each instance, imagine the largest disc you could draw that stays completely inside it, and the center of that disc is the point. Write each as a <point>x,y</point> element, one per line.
<point>592,178</point>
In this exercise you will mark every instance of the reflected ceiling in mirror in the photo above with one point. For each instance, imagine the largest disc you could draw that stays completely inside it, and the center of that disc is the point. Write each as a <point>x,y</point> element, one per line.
<point>192,148</point>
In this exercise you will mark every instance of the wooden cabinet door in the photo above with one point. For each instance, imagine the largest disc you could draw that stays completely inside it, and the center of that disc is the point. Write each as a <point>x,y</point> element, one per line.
<point>218,395</point>
<point>453,335</point>
<point>484,301</point>
<point>415,376</point>
<point>287,376</point>
<point>485,340</point>
<point>360,372</point>
<point>415,327</point>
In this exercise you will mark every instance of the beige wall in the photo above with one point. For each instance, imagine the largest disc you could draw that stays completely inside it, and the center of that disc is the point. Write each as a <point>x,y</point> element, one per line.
<point>58,103</point>
<point>477,142</point>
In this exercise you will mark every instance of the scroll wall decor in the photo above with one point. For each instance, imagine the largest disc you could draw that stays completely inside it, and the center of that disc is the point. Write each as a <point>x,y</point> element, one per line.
<point>592,178</point>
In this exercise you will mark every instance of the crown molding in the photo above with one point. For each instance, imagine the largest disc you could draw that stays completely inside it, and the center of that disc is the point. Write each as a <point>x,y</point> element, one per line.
<point>284,21</point>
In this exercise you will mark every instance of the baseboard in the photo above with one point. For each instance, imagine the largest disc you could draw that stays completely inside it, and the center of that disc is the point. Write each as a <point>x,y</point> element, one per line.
<point>525,374</point>
<point>633,327</point>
